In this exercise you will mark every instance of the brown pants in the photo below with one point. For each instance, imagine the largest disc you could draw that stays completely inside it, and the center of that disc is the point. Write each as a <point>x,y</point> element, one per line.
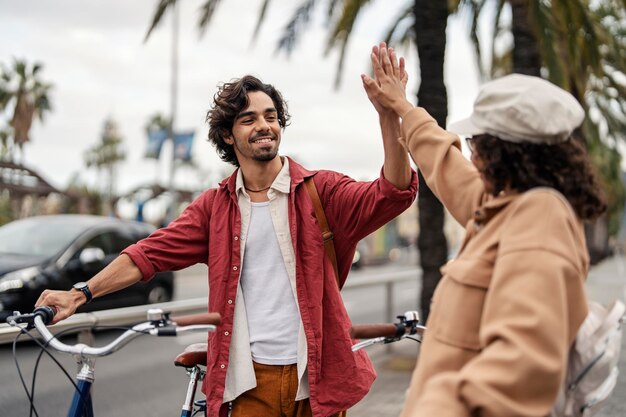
<point>274,395</point>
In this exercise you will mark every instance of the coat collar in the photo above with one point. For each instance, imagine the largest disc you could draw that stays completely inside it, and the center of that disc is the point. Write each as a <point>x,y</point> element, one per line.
<point>492,206</point>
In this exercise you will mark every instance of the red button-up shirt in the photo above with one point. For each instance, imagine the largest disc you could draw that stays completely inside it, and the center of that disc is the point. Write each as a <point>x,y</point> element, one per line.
<point>208,232</point>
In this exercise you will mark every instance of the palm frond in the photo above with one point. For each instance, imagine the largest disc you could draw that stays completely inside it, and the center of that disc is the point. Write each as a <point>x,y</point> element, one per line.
<point>37,66</point>
<point>158,15</point>
<point>207,10</point>
<point>476,41</point>
<point>340,34</point>
<point>396,26</point>
<point>542,18</point>
<point>5,97</point>
<point>340,63</point>
<point>343,27</point>
<point>497,31</point>
<point>455,5</point>
<point>259,22</point>
<point>502,64</point>
<point>19,66</point>
<point>295,26</point>
<point>333,6</point>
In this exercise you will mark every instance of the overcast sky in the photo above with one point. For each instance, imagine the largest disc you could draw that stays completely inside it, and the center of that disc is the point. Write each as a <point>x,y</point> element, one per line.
<point>93,53</point>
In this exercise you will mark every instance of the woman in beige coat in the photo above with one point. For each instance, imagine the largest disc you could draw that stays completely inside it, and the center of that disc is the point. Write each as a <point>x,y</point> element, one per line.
<point>508,307</point>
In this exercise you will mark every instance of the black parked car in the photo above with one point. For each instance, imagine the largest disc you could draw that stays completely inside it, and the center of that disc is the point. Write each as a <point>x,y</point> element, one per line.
<point>55,252</point>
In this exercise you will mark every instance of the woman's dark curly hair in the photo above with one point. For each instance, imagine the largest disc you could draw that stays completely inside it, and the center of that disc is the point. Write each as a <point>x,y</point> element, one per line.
<point>522,166</point>
<point>230,100</point>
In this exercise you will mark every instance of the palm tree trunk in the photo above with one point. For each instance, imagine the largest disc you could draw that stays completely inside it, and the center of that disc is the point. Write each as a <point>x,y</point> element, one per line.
<point>526,56</point>
<point>431,18</point>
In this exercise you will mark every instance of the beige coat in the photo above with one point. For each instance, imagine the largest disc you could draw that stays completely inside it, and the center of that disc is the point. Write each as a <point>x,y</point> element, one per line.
<point>508,307</point>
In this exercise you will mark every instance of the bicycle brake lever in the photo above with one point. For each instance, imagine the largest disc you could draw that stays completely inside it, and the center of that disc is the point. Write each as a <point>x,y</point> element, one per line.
<point>392,339</point>
<point>18,318</point>
<point>367,343</point>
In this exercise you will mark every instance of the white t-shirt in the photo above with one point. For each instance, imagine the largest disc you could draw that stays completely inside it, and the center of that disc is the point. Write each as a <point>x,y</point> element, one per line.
<point>272,313</point>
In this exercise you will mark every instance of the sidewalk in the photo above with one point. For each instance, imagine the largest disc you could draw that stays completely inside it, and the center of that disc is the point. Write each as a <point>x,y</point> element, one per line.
<point>606,282</point>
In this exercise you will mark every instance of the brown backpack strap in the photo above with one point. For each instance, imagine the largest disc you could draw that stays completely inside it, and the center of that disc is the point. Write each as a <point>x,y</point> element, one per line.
<point>327,235</point>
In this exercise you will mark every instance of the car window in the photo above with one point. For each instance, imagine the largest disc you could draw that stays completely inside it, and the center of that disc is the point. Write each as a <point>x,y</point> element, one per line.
<point>103,241</point>
<point>111,243</point>
<point>121,241</point>
<point>37,236</point>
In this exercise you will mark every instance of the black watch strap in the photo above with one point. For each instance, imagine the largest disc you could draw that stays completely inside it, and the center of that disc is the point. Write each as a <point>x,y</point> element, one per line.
<point>84,288</point>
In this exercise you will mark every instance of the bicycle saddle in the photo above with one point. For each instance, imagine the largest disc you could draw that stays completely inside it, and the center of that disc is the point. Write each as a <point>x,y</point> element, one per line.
<point>193,355</point>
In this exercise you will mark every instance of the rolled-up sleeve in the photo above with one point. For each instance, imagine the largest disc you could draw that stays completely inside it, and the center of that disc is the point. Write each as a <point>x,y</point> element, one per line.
<point>390,191</point>
<point>183,243</point>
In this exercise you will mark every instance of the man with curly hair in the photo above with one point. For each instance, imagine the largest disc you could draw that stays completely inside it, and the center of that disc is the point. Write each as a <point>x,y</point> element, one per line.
<point>283,348</point>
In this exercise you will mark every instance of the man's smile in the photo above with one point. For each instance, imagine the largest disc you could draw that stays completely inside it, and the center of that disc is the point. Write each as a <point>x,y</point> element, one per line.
<point>263,139</point>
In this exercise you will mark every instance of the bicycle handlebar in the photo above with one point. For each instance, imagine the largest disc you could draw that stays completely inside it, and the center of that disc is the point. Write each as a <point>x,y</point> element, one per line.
<point>387,332</point>
<point>159,324</point>
<point>369,331</point>
<point>204,318</point>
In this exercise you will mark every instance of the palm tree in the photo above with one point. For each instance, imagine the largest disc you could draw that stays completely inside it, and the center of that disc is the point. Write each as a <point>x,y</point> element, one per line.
<point>579,45</point>
<point>157,121</point>
<point>422,23</point>
<point>27,97</point>
<point>430,21</point>
<point>106,156</point>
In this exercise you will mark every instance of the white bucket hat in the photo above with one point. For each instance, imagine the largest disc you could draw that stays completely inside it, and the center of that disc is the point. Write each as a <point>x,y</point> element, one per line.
<point>521,108</point>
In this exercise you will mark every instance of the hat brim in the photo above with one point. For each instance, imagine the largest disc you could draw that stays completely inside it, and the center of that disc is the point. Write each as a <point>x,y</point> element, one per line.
<point>465,127</point>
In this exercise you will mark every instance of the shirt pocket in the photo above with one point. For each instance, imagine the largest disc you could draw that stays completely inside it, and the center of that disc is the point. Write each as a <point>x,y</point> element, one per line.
<point>458,303</point>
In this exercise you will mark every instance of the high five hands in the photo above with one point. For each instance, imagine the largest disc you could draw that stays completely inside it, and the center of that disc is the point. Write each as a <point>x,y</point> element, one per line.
<point>387,91</point>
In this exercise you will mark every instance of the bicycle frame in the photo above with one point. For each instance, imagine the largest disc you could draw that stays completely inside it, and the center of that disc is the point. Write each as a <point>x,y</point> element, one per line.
<point>78,407</point>
<point>195,374</point>
<point>159,324</point>
<point>82,406</point>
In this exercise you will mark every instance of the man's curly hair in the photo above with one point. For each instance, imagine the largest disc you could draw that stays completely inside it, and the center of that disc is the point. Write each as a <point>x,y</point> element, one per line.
<point>230,100</point>
<point>522,166</point>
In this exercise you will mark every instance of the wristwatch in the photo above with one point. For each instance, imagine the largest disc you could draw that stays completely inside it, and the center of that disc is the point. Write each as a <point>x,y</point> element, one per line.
<point>82,286</point>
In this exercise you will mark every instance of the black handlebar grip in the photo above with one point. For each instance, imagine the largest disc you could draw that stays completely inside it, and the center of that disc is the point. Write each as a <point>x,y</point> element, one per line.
<point>167,331</point>
<point>46,313</point>
<point>370,331</point>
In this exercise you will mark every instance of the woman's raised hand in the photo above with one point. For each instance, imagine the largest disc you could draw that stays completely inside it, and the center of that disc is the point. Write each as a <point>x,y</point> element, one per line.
<point>387,91</point>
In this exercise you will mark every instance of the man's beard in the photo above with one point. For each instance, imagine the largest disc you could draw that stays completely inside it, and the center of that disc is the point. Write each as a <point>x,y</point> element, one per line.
<point>266,156</point>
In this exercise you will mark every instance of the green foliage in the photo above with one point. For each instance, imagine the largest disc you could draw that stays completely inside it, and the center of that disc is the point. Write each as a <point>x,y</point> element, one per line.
<point>6,214</point>
<point>582,45</point>
<point>607,161</point>
<point>108,151</point>
<point>107,154</point>
<point>83,200</point>
<point>583,50</point>
<point>23,97</point>
<point>157,122</point>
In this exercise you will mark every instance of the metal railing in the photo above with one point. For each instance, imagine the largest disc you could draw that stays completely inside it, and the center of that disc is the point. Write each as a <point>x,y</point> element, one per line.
<point>131,315</point>
<point>388,280</point>
<point>115,317</point>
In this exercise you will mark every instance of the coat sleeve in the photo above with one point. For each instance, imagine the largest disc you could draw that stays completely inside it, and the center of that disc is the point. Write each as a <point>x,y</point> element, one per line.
<point>437,153</point>
<point>184,242</point>
<point>533,308</point>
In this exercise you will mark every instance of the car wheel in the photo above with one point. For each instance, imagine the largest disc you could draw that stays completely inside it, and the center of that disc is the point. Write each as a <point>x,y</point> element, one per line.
<point>158,294</point>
